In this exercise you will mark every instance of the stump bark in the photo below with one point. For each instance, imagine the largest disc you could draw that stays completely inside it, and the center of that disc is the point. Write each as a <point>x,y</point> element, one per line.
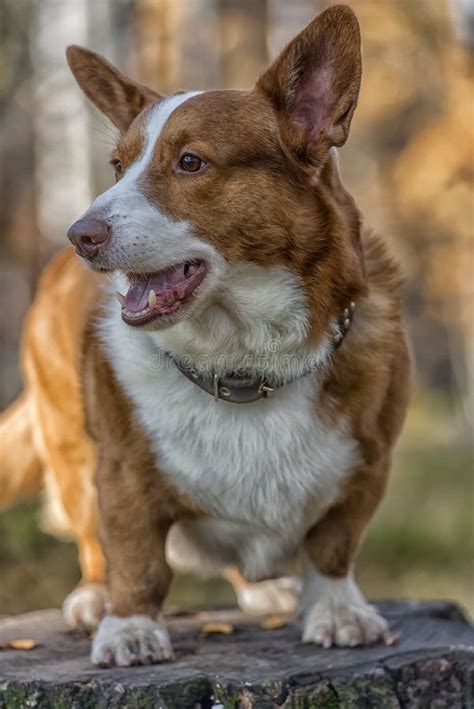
<point>431,666</point>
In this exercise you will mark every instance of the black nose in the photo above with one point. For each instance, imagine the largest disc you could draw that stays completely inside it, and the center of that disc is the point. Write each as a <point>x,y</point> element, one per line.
<point>89,235</point>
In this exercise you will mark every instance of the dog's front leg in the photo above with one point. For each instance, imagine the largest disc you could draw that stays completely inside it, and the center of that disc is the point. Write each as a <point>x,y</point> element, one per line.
<point>134,530</point>
<point>335,610</point>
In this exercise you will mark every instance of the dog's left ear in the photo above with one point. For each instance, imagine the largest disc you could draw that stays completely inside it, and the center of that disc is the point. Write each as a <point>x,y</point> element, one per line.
<point>314,85</point>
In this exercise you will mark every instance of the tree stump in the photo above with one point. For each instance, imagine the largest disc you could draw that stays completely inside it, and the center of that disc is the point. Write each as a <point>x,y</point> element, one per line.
<point>431,666</point>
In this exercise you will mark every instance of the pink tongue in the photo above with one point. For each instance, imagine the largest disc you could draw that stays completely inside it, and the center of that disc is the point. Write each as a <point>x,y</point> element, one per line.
<point>162,283</point>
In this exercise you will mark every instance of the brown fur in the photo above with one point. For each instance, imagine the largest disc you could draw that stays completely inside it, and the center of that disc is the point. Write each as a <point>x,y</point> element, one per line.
<point>370,380</point>
<point>62,458</point>
<point>263,157</point>
<point>137,504</point>
<point>288,220</point>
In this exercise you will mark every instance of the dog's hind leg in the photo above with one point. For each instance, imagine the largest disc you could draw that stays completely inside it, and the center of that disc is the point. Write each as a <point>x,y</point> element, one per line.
<point>272,596</point>
<point>72,510</point>
<point>203,547</point>
<point>29,467</point>
<point>86,605</point>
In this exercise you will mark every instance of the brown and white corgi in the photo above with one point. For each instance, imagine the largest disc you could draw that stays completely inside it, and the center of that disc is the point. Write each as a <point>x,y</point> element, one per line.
<point>239,404</point>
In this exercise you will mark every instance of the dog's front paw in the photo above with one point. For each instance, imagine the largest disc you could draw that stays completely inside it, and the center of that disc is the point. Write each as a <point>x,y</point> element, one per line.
<point>330,623</point>
<point>86,606</point>
<point>135,640</point>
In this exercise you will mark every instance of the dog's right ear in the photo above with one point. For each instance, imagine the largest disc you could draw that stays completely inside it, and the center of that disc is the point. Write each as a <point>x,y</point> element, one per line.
<point>120,98</point>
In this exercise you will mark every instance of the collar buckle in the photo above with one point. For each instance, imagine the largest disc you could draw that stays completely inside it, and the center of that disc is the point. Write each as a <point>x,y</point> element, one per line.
<point>265,389</point>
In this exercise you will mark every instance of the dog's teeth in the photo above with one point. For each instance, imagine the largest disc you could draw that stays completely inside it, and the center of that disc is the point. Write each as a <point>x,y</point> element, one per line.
<point>192,269</point>
<point>120,298</point>
<point>152,299</point>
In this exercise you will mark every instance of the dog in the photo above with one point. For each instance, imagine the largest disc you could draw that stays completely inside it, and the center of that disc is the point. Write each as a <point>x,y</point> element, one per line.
<point>238,400</point>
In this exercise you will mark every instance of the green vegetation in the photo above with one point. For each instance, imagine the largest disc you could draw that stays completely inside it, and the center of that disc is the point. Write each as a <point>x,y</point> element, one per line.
<point>426,517</point>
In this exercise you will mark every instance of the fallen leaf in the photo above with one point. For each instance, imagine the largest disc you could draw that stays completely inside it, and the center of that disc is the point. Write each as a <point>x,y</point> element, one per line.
<point>392,638</point>
<point>217,629</point>
<point>273,622</point>
<point>22,644</point>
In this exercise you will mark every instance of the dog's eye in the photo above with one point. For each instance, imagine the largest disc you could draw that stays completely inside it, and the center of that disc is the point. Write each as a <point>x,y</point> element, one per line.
<point>117,165</point>
<point>191,163</point>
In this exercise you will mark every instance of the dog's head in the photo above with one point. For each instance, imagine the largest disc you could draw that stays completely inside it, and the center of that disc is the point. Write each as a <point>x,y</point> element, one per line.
<point>204,180</point>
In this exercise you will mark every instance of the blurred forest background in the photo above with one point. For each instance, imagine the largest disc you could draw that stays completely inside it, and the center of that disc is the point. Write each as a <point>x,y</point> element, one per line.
<point>409,163</point>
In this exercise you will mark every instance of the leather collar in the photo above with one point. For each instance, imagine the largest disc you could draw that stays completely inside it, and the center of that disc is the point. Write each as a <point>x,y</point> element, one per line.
<point>237,388</point>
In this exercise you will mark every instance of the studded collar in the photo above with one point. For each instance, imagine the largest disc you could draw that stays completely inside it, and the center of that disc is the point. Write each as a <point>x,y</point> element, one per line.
<point>237,388</point>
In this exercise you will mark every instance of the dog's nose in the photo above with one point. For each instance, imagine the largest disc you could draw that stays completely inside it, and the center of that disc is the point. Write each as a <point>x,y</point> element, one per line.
<point>89,235</point>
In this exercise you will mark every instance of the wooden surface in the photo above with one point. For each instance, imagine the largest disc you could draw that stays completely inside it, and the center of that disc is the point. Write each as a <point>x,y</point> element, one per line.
<point>431,666</point>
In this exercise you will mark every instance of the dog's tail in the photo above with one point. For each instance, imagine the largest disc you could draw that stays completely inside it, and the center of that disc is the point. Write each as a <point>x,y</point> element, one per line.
<point>20,465</point>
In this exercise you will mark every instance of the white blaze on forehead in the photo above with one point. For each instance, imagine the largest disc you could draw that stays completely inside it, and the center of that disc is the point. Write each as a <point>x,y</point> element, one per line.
<point>144,237</point>
<point>157,117</point>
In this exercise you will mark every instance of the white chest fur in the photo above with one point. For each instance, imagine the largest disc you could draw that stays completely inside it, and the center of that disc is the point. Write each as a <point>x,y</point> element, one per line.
<point>271,467</point>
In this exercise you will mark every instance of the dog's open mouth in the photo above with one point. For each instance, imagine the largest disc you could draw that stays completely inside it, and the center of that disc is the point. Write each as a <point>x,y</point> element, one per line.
<point>158,295</point>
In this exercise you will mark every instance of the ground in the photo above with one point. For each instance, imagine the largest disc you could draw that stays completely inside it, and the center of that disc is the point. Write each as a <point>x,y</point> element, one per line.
<point>432,665</point>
